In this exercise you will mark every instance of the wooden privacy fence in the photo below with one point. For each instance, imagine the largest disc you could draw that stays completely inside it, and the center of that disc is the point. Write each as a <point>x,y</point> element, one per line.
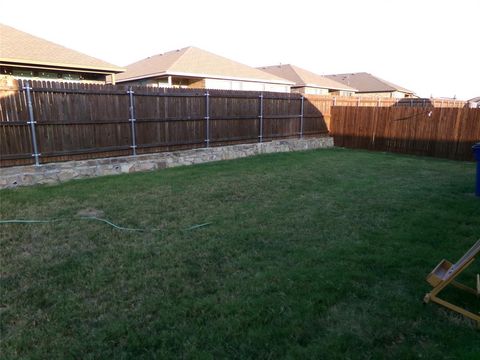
<point>44,121</point>
<point>324,103</point>
<point>440,132</point>
<point>51,121</point>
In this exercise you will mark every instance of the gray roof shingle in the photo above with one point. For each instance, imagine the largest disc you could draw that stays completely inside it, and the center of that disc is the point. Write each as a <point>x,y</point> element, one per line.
<point>195,62</point>
<point>302,77</point>
<point>366,82</point>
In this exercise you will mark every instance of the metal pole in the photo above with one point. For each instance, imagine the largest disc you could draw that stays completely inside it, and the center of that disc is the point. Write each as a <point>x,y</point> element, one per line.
<point>334,101</point>
<point>132,119</point>
<point>32,123</point>
<point>358,101</point>
<point>301,119</point>
<point>260,137</point>
<point>378,102</point>
<point>207,119</point>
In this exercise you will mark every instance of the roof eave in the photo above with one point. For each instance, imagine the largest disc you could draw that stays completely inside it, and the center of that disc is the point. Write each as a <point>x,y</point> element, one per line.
<point>209,76</point>
<point>385,91</point>
<point>140,77</point>
<point>327,87</point>
<point>13,61</point>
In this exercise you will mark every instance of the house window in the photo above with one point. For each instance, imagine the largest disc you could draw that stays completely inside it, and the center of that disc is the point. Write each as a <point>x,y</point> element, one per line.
<point>70,76</point>
<point>22,73</point>
<point>48,75</point>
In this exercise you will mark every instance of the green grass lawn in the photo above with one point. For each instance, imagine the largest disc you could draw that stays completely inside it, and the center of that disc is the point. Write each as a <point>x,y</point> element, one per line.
<point>318,255</point>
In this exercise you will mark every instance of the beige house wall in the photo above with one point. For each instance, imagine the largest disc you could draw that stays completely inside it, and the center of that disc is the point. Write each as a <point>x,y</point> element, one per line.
<point>208,83</point>
<point>197,84</point>
<point>341,93</point>
<point>310,90</point>
<point>224,84</point>
<point>386,94</point>
<point>319,91</point>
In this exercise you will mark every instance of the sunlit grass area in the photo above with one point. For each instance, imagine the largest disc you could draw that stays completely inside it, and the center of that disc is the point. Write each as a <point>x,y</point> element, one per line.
<point>320,254</point>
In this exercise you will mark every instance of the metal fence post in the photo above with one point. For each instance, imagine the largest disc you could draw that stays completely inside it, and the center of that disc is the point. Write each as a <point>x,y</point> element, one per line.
<point>260,117</point>
<point>301,118</point>
<point>31,121</point>
<point>207,119</point>
<point>132,120</point>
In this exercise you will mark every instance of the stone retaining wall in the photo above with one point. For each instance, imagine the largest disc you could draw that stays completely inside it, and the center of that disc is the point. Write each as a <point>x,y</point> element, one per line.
<point>59,172</point>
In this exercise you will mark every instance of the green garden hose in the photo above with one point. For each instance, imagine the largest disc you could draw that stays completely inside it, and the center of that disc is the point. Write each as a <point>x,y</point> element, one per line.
<point>17,221</point>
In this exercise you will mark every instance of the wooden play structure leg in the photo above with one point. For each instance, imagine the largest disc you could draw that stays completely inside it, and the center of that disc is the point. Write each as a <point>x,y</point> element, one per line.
<point>445,273</point>
<point>433,298</point>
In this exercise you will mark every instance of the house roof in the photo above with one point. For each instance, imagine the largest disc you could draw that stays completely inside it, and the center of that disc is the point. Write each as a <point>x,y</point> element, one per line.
<point>195,62</point>
<point>366,82</point>
<point>18,47</point>
<point>302,77</point>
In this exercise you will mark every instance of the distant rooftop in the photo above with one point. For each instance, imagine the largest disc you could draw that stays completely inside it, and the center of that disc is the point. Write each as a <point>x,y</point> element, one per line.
<point>21,48</point>
<point>305,78</point>
<point>366,82</point>
<point>195,62</point>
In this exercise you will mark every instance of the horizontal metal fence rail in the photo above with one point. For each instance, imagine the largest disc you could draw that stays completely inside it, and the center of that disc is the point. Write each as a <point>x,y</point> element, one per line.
<point>77,121</point>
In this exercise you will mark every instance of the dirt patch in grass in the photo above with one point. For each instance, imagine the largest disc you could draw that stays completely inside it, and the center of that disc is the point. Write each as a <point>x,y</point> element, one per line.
<point>91,212</point>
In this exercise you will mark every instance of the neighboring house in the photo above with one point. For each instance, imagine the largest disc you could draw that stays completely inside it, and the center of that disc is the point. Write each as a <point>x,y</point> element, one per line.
<point>307,82</point>
<point>24,56</point>
<point>369,85</point>
<point>192,67</point>
<point>474,103</point>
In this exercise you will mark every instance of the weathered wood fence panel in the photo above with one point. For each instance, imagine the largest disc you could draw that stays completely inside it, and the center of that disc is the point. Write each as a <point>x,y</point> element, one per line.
<point>432,131</point>
<point>79,121</point>
<point>168,121</point>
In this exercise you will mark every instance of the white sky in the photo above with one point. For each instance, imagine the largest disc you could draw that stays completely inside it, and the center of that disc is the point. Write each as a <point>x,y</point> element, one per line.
<point>430,47</point>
